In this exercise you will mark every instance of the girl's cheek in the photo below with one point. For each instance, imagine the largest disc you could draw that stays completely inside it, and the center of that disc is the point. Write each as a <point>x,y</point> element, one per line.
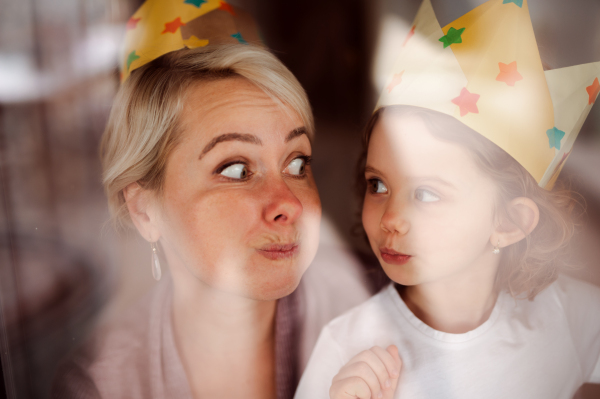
<point>369,217</point>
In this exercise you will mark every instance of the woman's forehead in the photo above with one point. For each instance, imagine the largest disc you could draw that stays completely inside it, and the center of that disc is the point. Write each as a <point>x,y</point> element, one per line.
<point>234,105</point>
<point>225,95</point>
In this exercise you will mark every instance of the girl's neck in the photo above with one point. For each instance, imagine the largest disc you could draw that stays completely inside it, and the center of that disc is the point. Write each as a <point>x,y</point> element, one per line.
<point>216,331</point>
<point>456,304</point>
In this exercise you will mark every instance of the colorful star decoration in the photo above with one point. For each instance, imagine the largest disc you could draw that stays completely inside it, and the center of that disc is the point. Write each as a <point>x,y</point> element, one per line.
<point>517,2</point>
<point>194,42</point>
<point>467,102</point>
<point>132,23</point>
<point>554,137</point>
<point>131,57</point>
<point>239,38</point>
<point>593,91</point>
<point>410,34</point>
<point>508,73</point>
<point>396,80</point>
<point>172,26</point>
<point>453,36</point>
<point>227,7</point>
<point>196,3</point>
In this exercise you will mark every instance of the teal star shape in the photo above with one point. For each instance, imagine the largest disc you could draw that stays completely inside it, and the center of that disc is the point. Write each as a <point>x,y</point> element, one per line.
<point>196,3</point>
<point>517,2</point>
<point>555,136</point>
<point>453,36</point>
<point>239,38</point>
<point>131,57</point>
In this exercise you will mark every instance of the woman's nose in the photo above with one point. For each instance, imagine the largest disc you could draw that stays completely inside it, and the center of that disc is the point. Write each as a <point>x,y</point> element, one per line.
<point>394,221</point>
<point>282,206</point>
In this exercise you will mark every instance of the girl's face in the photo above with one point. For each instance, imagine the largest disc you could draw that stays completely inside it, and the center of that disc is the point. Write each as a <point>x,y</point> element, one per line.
<point>428,210</point>
<point>240,210</point>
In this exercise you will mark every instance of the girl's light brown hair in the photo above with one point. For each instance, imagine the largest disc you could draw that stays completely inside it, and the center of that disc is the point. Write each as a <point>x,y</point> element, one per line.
<point>530,265</point>
<point>142,129</point>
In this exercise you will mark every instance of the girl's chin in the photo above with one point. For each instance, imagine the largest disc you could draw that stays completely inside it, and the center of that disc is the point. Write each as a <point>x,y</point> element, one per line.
<point>402,277</point>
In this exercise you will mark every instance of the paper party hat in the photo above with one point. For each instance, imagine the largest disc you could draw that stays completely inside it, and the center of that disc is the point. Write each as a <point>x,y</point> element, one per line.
<point>161,26</point>
<point>484,69</point>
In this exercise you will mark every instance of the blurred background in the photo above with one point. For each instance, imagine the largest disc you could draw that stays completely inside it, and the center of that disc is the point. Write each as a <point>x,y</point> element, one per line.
<point>63,271</point>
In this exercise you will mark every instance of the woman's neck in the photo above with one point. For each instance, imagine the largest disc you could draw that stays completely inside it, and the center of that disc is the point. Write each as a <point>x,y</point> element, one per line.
<point>220,335</point>
<point>455,304</point>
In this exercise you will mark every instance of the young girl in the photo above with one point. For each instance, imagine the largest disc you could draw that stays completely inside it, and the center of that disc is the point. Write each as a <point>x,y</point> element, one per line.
<point>460,221</point>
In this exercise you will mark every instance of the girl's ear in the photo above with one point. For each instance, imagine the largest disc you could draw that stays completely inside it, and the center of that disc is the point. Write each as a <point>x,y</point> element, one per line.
<point>523,217</point>
<point>141,206</point>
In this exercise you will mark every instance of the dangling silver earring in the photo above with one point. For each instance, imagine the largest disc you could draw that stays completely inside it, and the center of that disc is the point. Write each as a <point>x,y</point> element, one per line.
<point>496,250</point>
<point>156,272</point>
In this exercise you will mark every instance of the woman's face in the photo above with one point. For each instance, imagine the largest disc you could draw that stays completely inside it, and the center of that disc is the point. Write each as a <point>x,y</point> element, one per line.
<point>240,210</point>
<point>428,210</point>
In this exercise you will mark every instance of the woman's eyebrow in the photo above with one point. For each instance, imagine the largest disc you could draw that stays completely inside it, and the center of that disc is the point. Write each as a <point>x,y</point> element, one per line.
<point>245,137</point>
<point>299,131</point>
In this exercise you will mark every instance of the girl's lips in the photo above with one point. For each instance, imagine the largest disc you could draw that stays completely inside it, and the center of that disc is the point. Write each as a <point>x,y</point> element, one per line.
<point>279,251</point>
<point>393,257</point>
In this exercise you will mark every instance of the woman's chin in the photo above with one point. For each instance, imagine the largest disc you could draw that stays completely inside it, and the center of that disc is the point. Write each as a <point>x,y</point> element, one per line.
<point>274,288</point>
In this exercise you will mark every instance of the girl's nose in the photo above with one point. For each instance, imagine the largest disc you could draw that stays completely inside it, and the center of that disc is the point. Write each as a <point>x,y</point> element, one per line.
<point>282,206</point>
<point>394,221</point>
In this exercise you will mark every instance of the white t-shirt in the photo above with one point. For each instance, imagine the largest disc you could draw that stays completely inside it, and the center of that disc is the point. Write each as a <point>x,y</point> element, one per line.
<point>545,348</point>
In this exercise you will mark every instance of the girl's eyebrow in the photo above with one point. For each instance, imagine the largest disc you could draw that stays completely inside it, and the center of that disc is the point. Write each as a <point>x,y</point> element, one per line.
<point>373,170</point>
<point>426,178</point>
<point>437,180</point>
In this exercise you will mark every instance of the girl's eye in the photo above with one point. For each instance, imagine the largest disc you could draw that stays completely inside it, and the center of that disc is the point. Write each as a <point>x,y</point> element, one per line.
<point>235,171</point>
<point>297,167</point>
<point>377,187</point>
<point>425,195</point>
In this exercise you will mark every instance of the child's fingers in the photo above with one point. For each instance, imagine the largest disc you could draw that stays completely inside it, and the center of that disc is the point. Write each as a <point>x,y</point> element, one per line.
<point>378,366</point>
<point>352,387</point>
<point>391,362</point>
<point>365,373</point>
<point>393,351</point>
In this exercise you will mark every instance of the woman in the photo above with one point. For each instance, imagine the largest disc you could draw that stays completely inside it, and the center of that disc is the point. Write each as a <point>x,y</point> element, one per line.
<point>207,153</point>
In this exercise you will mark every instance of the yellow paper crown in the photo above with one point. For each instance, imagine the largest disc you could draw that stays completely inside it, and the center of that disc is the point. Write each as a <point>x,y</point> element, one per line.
<point>161,26</point>
<point>484,69</point>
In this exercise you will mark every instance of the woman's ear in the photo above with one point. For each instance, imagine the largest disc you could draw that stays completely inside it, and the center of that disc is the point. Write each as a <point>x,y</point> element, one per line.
<point>523,217</point>
<point>141,206</point>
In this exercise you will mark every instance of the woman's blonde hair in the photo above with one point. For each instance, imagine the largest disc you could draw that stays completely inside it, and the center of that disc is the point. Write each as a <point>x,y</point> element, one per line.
<point>142,128</point>
<point>526,267</point>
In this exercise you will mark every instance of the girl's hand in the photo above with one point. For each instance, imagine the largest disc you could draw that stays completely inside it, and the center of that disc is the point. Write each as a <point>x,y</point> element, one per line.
<point>371,374</point>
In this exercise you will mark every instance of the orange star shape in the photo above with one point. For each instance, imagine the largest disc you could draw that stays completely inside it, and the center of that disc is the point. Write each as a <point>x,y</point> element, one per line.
<point>593,90</point>
<point>396,80</point>
<point>410,34</point>
<point>132,23</point>
<point>467,102</point>
<point>508,73</point>
<point>227,7</point>
<point>172,26</point>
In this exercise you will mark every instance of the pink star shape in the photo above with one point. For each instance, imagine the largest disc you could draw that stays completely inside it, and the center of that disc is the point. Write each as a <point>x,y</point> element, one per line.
<point>132,23</point>
<point>467,102</point>
<point>396,80</point>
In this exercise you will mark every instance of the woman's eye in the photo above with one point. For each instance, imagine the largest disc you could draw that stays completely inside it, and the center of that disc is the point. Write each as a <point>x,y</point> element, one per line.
<point>296,167</point>
<point>426,195</point>
<point>235,171</point>
<point>377,186</point>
